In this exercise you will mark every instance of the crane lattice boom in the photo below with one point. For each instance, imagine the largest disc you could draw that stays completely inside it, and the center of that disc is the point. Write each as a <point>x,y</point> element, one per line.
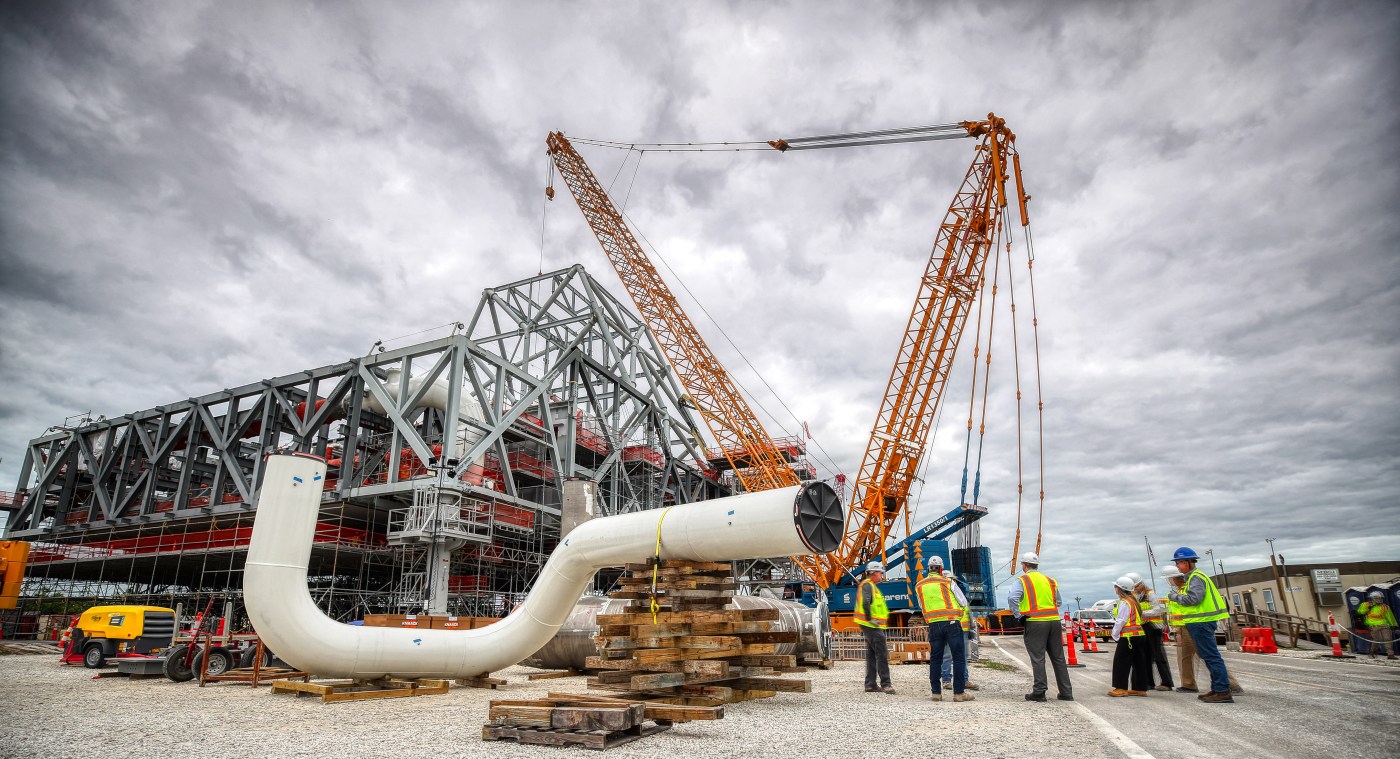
<point>910,406</point>
<point>757,462</point>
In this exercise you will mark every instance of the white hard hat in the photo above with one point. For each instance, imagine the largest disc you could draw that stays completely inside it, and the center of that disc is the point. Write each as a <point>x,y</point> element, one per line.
<point>1135,577</point>
<point>1170,572</point>
<point>874,566</point>
<point>1029,557</point>
<point>1377,594</point>
<point>1125,583</point>
<point>948,573</point>
<point>935,561</point>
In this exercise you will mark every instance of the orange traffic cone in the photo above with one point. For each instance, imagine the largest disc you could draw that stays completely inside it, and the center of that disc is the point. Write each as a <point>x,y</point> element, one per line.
<point>1094,640</point>
<point>1336,639</point>
<point>1069,644</point>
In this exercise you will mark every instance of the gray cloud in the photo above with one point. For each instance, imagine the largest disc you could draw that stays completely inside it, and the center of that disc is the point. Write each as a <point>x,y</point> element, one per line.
<point>1216,277</point>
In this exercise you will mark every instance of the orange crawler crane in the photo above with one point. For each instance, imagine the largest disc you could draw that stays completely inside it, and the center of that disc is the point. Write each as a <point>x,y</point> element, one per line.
<point>970,230</point>
<point>756,460</point>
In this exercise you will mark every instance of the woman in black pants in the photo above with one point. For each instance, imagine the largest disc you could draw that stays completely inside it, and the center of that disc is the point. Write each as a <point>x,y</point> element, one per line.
<point>1130,660</point>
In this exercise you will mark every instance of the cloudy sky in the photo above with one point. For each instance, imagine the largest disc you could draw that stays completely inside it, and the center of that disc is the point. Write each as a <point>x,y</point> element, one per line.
<point>197,195</point>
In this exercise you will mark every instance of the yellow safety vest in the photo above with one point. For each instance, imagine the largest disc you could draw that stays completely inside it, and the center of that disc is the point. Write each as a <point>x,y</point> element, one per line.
<point>1133,627</point>
<point>1038,597</point>
<point>879,612</point>
<point>1174,615</point>
<point>1378,615</point>
<point>939,602</point>
<point>1212,606</point>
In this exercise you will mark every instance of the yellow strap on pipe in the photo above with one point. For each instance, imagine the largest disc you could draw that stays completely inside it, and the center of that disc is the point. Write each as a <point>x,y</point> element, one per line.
<point>656,564</point>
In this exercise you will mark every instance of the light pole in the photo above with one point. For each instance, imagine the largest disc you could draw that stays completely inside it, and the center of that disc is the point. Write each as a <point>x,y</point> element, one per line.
<point>1278,581</point>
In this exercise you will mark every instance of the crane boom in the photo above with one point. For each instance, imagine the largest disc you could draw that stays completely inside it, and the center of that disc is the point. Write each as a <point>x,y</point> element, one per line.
<point>946,292</point>
<point>756,460</point>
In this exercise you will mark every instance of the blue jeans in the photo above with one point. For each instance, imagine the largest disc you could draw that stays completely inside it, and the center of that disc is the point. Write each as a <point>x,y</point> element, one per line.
<point>949,634</point>
<point>948,659</point>
<point>1203,635</point>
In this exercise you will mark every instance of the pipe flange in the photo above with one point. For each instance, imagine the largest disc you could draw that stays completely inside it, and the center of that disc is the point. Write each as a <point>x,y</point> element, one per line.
<point>819,516</point>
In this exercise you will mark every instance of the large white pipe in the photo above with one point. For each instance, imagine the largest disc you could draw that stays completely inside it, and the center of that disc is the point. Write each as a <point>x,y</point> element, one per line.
<point>799,520</point>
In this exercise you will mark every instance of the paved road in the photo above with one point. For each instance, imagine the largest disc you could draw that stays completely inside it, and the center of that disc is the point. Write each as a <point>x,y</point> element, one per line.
<point>1291,708</point>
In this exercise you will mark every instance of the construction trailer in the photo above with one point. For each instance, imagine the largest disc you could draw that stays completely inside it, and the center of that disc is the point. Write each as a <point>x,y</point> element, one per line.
<point>450,460</point>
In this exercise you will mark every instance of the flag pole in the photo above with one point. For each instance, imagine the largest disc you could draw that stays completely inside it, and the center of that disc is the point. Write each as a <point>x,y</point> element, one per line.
<point>1150,563</point>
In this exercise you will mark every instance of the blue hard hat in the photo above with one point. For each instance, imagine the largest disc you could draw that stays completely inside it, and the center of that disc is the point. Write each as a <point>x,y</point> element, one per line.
<point>1184,553</point>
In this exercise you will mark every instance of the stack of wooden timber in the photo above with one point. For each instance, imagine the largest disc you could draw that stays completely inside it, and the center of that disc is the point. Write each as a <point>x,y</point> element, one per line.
<point>909,652</point>
<point>569,721</point>
<point>690,650</point>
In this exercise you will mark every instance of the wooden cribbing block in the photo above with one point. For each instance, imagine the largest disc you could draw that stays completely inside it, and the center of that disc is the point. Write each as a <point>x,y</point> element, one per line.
<point>480,682</point>
<point>776,684</point>
<point>553,675</point>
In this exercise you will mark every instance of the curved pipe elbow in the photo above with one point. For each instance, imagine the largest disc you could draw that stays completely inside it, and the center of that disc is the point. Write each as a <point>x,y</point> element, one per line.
<point>792,521</point>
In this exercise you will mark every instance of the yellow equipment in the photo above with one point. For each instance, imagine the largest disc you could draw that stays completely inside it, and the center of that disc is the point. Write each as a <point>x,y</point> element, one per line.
<point>14,555</point>
<point>104,631</point>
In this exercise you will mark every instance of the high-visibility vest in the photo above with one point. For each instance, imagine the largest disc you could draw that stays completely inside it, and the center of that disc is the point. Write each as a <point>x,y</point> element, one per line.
<point>879,612</point>
<point>1038,597</point>
<point>1378,615</point>
<point>1133,627</point>
<point>1174,615</point>
<point>939,602</point>
<point>1212,606</point>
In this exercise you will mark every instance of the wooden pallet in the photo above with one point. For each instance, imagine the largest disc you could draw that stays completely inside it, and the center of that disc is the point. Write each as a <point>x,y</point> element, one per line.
<point>569,721</point>
<point>690,650</point>
<point>548,736</point>
<point>332,691</point>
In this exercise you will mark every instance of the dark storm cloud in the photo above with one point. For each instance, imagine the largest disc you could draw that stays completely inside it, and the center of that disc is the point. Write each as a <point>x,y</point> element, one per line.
<point>1214,194</point>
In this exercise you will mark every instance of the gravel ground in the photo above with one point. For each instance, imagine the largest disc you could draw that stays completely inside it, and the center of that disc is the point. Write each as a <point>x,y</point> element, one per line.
<point>48,710</point>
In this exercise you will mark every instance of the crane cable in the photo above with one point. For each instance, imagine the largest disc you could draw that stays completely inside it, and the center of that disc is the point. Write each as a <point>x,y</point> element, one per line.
<point>1039,395</point>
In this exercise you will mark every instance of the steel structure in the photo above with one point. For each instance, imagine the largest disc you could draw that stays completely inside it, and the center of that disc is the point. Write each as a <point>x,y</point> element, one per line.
<point>158,505</point>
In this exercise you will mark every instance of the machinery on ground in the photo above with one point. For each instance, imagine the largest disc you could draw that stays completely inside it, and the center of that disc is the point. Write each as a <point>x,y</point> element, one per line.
<point>104,632</point>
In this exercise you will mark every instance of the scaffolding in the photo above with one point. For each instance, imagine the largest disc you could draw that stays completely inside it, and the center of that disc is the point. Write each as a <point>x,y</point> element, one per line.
<point>157,506</point>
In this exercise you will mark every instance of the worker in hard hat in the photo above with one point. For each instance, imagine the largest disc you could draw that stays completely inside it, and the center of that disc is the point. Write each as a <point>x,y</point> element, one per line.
<point>944,604</point>
<point>1185,649</point>
<point>1202,607</point>
<point>1154,619</point>
<point>1379,621</point>
<point>969,638</point>
<point>873,616</point>
<point>1036,598</point>
<point>1131,665</point>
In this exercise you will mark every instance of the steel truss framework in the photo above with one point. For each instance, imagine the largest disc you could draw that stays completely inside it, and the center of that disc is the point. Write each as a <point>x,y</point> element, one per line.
<point>157,505</point>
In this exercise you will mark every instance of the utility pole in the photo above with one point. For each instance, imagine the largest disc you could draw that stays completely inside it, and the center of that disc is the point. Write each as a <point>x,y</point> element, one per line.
<point>1278,581</point>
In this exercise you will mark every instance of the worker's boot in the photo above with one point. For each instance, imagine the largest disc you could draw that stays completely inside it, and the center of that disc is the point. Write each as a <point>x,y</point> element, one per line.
<point>1184,689</point>
<point>1137,693</point>
<point>962,697</point>
<point>936,697</point>
<point>1118,693</point>
<point>1219,697</point>
<point>971,686</point>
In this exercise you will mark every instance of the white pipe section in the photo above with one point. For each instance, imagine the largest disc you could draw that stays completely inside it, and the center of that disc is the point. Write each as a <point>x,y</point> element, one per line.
<point>279,604</point>
<point>468,407</point>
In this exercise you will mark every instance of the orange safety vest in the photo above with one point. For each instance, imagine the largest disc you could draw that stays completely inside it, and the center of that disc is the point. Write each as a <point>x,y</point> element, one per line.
<point>1133,627</point>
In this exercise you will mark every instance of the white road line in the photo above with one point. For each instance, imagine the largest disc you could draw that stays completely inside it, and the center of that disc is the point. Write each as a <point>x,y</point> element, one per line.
<point>1115,736</point>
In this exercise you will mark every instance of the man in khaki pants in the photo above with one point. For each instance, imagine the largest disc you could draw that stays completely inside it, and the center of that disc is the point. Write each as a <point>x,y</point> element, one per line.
<point>1185,648</point>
